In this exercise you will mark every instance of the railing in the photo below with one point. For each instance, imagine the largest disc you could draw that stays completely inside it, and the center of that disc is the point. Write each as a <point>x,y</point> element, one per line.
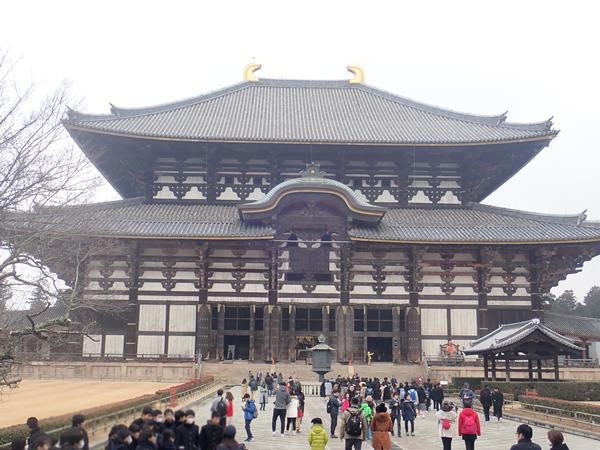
<point>579,417</point>
<point>500,364</point>
<point>97,357</point>
<point>588,363</point>
<point>311,389</point>
<point>102,424</point>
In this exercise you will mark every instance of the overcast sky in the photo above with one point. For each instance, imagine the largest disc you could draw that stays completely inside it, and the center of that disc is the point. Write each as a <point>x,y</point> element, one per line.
<point>535,59</point>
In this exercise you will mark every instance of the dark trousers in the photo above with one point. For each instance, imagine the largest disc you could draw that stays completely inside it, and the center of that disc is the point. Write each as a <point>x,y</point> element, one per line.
<point>447,443</point>
<point>469,441</point>
<point>412,426</point>
<point>437,405</point>
<point>355,444</point>
<point>223,422</point>
<point>248,431</point>
<point>291,421</point>
<point>498,411</point>
<point>334,419</point>
<point>263,406</point>
<point>396,419</point>
<point>281,414</point>
<point>486,412</point>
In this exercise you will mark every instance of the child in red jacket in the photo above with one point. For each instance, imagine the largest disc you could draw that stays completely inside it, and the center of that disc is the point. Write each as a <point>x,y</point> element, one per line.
<point>468,426</point>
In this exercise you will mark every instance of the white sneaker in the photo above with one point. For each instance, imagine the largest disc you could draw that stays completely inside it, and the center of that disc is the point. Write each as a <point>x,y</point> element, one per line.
<point>274,433</point>
<point>282,435</point>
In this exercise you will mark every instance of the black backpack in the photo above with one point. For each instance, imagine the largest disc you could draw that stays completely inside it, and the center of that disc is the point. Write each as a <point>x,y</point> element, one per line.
<point>354,424</point>
<point>221,408</point>
<point>329,407</point>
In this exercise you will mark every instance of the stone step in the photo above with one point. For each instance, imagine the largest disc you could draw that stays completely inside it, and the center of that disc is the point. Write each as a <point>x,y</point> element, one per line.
<point>234,372</point>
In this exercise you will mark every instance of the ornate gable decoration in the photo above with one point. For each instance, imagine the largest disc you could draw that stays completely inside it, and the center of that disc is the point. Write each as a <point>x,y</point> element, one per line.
<point>312,187</point>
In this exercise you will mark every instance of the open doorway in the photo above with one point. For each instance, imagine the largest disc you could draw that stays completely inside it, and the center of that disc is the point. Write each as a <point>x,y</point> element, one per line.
<point>381,348</point>
<point>236,347</point>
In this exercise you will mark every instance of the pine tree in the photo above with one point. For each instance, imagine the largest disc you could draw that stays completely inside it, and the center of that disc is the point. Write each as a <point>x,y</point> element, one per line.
<point>565,303</point>
<point>591,303</point>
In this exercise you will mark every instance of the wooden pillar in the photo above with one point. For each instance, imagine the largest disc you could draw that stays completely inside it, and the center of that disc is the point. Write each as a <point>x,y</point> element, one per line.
<point>220,332</point>
<point>413,314</point>
<point>485,367</point>
<point>539,369</point>
<point>273,275</point>
<point>493,367</point>
<point>483,270</point>
<point>252,336</point>
<point>396,351</point>
<point>537,302</point>
<point>133,263</point>
<point>203,330</point>
<point>556,371</point>
<point>344,317</point>
<point>507,368</point>
<point>292,335</point>
<point>344,275</point>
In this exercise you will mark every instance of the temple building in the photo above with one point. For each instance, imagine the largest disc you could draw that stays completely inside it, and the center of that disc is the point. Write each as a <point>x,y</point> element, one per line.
<point>259,216</point>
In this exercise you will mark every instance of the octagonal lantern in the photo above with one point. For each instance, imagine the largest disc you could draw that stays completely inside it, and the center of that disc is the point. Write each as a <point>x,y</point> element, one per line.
<point>321,358</point>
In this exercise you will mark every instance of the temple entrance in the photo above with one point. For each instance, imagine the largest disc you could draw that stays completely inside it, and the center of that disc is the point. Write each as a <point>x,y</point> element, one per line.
<point>381,347</point>
<point>303,343</point>
<point>236,347</point>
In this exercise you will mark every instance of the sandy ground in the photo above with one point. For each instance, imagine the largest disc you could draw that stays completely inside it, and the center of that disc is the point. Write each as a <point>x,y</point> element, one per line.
<point>47,398</point>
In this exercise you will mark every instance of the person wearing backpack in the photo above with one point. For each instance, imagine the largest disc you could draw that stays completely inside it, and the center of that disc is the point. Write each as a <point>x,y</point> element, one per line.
<point>220,406</point>
<point>333,409</point>
<point>446,418</point>
<point>485,397</point>
<point>409,412</point>
<point>253,385</point>
<point>468,426</point>
<point>250,413</point>
<point>354,426</point>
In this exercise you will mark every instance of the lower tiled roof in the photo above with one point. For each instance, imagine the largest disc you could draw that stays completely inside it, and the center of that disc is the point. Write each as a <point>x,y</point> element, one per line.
<point>473,223</point>
<point>582,327</point>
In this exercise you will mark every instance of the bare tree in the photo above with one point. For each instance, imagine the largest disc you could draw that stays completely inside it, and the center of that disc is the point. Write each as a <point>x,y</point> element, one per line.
<point>40,169</point>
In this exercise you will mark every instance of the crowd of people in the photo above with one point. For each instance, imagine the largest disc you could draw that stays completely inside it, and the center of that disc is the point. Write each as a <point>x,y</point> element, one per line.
<point>360,410</point>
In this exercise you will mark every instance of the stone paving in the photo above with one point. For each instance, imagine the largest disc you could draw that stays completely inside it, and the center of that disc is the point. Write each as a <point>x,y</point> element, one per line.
<point>495,435</point>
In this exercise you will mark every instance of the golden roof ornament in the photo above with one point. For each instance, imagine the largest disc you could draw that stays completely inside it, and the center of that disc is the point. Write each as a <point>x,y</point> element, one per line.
<point>358,72</point>
<point>249,71</point>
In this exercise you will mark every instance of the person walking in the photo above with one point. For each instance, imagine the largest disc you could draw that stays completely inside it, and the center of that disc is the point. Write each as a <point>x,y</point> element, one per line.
<point>211,434</point>
<point>409,413</point>
<point>220,405</point>
<point>422,401</point>
<point>333,409</point>
<point>557,440</point>
<point>229,442</point>
<point>466,395</point>
<point>262,396</point>
<point>367,410</point>
<point>446,418</point>
<point>524,436</point>
<point>469,426</point>
<point>187,436</point>
<point>485,397</point>
<point>229,418</point>
<point>437,396</point>
<point>396,413</point>
<point>282,399</point>
<point>250,414</point>
<point>381,426</point>
<point>317,437</point>
<point>301,405</point>
<point>292,413</point>
<point>354,426</point>
<point>498,402</point>
<point>253,385</point>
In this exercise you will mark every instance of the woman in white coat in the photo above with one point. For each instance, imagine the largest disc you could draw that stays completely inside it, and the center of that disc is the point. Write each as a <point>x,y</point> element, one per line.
<point>292,413</point>
<point>446,418</point>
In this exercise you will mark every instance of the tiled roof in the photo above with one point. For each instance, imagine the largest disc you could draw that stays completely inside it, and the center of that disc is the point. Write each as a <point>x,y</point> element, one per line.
<point>507,335</point>
<point>582,327</point>
<point>16,320</point>
<point>298,111</point>
<point>473,223</point>
<point>476,223</point>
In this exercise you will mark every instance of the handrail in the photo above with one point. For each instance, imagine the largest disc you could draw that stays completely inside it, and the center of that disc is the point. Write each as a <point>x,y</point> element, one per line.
<point>592,419</point>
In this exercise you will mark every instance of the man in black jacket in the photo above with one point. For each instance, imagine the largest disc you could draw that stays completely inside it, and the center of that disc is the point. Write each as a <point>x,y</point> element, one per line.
<point>485,397</point>
<point>437,396</point>
<point>34,431</point>
<point>524,435</point>
<point>498,401</point>
<point>211,434</point>
<point>187,436</point>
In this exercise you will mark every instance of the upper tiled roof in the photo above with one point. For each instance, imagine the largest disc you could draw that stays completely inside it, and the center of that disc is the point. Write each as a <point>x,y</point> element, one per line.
<point>15,320</point>
<point>298,111</point>
<point>583,327</point>
<point>507,335</point>
<point>474,223</point>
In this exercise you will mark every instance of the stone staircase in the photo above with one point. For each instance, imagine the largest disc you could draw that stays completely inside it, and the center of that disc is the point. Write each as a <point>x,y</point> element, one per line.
<point>233,372</point>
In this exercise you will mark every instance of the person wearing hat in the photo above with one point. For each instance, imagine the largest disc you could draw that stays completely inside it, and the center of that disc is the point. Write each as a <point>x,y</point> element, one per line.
<point>381,426</point>
<point>317,437</point>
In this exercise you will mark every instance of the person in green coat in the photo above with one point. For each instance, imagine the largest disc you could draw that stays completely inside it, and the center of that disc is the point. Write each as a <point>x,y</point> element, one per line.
<point>317,438</point>
<point>365,406</point>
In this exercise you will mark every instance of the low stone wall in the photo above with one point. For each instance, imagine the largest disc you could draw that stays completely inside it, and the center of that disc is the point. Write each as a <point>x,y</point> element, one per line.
<point>131,370</point>
<point>566,373</point>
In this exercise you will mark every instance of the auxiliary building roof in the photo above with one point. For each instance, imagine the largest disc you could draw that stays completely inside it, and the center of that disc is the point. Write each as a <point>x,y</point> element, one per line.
<point>308,111</point>
<point>474,223</point>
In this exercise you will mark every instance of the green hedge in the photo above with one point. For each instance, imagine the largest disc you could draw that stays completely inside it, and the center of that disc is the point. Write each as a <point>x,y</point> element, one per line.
<point>569,408</point>
<point>573,390</point>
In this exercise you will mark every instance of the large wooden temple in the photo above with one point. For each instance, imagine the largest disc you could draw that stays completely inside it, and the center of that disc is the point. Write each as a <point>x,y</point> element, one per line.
<point>259,216</point>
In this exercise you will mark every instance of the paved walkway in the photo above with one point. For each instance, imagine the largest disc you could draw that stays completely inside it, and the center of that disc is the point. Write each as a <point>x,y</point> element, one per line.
<point>495,435</point>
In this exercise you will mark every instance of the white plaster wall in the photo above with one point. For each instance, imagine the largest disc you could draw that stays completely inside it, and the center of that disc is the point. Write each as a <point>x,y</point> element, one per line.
<point>92,344</point>
<point>463,322</point>
<point>181,345</point>
<point>113,344</point>
<point>182,318</point>
<point>152,317</point>
<point>150,345</point>
<point>434,321</point>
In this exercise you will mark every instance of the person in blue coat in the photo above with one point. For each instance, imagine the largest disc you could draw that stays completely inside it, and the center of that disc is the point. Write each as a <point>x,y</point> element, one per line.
<point>249,408</point>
